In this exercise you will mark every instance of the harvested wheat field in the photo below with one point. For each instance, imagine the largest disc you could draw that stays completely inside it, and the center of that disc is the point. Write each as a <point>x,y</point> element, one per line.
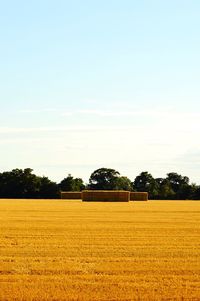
<point>73,250</point>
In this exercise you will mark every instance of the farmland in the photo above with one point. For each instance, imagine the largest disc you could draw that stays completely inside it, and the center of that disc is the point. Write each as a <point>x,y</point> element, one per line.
<point>73,250</point>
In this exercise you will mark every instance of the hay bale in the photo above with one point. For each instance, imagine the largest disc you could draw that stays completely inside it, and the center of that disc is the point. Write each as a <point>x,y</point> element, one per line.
<point>139,196</point>
<point>105,196</point>
<point>71,195</point>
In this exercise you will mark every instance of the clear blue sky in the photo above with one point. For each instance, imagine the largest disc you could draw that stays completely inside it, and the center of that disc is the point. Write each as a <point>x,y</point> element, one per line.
<point>89,84</point>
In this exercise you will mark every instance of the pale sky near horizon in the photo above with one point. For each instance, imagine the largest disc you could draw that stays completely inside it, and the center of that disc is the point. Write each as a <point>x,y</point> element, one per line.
<point>90,84</point>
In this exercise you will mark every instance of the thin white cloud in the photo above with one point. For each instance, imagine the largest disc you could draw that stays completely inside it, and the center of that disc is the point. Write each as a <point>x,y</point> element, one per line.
<point>112,113</point>
<point>117,111</point>
<point>45,110</point>
<point>155,112</point>
<point>161,112</point>
<point>7,130</point>
<point>67,114</point>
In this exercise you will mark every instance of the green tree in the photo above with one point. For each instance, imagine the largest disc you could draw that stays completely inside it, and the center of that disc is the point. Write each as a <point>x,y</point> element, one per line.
<point>180,185</point>
<point>146,183</point>
<point>48,189</point>
<point>20,183</point>
<point>71,184</point>
<point>165,191</point>
<point>123,183</point>
<point>196,192</point>
<point>103,179</point>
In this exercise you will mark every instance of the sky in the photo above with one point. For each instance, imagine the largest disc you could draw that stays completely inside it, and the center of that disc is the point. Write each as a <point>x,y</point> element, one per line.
<point>91,84</point>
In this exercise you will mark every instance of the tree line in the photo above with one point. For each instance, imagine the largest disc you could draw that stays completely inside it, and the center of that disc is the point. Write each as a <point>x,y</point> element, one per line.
<point>23,183</point>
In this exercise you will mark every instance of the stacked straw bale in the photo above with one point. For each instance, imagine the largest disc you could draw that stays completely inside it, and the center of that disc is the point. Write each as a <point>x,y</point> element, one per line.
<point>71,195</point>
<point>139,196</point>
<point>105,196</point>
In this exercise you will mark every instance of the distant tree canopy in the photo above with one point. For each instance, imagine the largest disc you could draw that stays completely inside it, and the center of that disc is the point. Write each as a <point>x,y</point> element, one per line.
<point>123,183</point>
<point>108,179</point>
<point>103,178</point>
<point>146,182</point>
<point>71,184</point>
<point>174,187</point>
<point>22,183</point>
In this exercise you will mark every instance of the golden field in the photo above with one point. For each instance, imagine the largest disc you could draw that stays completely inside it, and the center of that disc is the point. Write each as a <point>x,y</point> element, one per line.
<point>73,250</point>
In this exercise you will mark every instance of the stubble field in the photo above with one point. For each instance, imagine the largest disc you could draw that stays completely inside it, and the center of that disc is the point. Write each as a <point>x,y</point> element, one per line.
<point>69,250</point>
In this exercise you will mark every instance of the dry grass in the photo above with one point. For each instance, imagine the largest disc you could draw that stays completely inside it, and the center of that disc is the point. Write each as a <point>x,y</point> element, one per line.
<point>105,196</point>
<point>64,250</point>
